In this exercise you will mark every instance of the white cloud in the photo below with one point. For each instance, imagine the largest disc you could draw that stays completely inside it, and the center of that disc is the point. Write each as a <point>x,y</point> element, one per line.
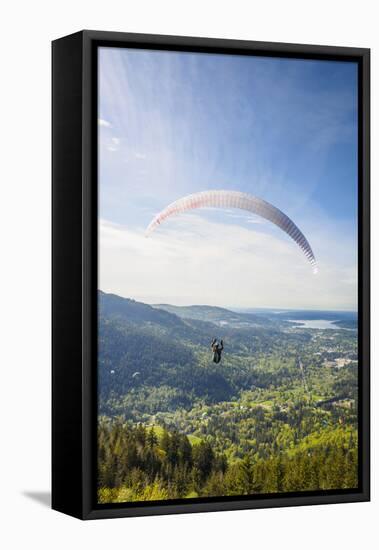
<point>191,260</point>
<point>104,123</point>
<point>114,144</point>
<point>139,156</point>
<point>171,146</point>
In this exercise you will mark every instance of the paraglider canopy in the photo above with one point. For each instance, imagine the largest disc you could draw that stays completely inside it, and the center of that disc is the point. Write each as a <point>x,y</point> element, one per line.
<point>244,201</point>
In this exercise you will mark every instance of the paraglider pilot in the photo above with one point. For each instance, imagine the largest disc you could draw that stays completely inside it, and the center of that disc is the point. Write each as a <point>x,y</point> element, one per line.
<point>217,348</point>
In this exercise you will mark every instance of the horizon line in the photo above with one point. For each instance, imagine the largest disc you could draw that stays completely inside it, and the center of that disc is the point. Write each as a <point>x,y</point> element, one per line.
<point>234,308</point>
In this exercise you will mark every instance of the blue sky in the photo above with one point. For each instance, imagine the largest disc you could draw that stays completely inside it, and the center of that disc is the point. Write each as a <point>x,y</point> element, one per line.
<point>285,130</point>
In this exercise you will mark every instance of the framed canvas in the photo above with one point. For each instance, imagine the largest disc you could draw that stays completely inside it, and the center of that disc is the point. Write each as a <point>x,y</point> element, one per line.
<point>210,275</point>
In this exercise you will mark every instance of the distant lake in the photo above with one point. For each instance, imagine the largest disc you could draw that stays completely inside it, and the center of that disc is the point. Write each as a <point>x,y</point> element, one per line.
<point>315,323</point>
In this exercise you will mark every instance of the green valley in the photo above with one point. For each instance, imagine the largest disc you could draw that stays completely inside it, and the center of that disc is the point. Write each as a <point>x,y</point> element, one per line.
<point>278,414</point>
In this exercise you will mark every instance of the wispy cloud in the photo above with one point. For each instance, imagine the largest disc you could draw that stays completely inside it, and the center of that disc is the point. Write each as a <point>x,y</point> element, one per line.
<point>104,123</point>
<point>192,260</point>
<point>140,156</point>
<point>183,123</point>
<point>113,144</point>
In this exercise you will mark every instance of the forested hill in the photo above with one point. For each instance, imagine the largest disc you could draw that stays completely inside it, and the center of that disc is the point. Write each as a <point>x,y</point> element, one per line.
<point>112,306</point>
<point>278,413</point>
<point>169,316</point>
<point>152,360</point>
<point>221,316</point>
<point>124,312</point>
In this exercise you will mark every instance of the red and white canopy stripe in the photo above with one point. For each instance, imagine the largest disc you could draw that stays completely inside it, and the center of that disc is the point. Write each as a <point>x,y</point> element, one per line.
<point>242,201</point>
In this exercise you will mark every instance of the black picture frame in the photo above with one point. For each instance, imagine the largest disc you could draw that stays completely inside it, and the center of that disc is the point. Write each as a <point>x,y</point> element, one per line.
<point>74,272</point>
